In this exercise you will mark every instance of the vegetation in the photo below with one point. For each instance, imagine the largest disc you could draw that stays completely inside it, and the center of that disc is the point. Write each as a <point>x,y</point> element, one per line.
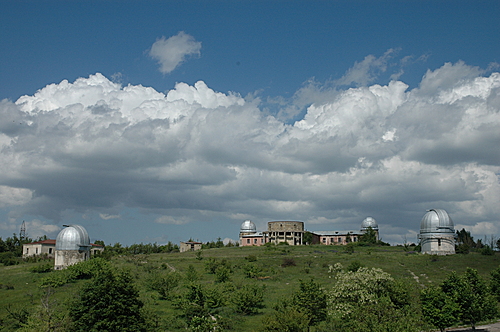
<point>268,288</point>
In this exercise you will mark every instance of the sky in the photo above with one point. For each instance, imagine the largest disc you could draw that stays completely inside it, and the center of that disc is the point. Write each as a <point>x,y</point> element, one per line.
<point>156,121</point>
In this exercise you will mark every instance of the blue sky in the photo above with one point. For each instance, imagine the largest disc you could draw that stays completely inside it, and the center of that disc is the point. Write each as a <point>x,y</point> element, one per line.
<point>318,111</point>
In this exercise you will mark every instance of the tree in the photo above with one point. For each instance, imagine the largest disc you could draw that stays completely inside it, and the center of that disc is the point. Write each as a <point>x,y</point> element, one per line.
<point>311,299</point>
<point>248,299</point>
<point>369,237</point>
<point>164,283</point>
<point>370,300</point>
<point>308,237</point>
<point>108,302</point>
<point>438,308</point>
<point>495,283</point>
<point>48,317</point>
<point>472,295</point>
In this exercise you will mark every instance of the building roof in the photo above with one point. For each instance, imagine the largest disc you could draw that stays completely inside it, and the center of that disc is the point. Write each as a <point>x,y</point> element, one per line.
<point>248,227</point>
<point>436,221</point>
<point>48,242</point>
<point>369,222</point>
<point>73,237</point>
<point>335,233</point>
<point>256,234</point>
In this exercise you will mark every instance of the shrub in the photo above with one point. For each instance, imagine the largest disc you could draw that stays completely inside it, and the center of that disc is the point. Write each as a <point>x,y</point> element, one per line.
<point>288,262</point>
<point>248,299</point>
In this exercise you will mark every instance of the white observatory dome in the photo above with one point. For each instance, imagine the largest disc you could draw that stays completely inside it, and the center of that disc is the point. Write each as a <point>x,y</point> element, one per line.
<point>369,222</point>
<point>436,221</point>
<point>73,237</point>
<point>248,227</point>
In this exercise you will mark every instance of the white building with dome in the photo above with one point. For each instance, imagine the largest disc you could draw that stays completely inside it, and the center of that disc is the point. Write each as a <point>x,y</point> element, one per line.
<point>437,233</point>
<point>72,246</point>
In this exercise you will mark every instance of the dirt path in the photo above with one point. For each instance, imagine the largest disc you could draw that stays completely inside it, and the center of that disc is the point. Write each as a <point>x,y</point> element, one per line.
<point>495,327</point>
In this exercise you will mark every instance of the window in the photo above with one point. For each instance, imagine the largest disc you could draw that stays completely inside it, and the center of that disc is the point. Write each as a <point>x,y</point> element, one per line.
<point>324,240</point>
<point>50,250</point>
<point>27,250</point>
<point>36,251</point>
<point>439,242</point>
<point>255,241</point>
<point>248,241</point>
<point>339,240</point>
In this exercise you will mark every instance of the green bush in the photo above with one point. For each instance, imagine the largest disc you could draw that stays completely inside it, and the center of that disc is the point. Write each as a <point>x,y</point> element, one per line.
<point>43,268</point>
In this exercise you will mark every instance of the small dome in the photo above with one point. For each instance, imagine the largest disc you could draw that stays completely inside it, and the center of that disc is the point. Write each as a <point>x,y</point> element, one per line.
<point>248,227</point>
<point>436,221</point>
<point>73,237</point>
<point>369,222</point>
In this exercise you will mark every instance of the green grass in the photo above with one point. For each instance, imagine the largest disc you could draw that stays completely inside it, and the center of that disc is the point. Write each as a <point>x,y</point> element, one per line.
<point>20,286</point>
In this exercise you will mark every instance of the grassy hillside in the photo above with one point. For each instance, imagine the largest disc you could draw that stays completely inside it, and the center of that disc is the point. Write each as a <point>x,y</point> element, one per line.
<point>280,268</point>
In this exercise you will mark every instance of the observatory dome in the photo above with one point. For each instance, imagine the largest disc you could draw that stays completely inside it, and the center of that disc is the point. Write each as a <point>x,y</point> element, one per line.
<point>369,222</point>
<point>248,227</point>
<point>436,221</point>
<point>73,237</point>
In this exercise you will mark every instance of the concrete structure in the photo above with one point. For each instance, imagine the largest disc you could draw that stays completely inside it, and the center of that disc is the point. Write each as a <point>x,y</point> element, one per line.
<point>44,247</point>
<point>437,233</point>
<point>190,246</point>
<point>72,246</point>
<point>291,232</point>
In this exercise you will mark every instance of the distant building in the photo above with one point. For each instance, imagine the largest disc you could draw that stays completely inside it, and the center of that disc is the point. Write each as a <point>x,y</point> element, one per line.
<point>292,232</point>
<point>190,246</point>
<point>437,233</point>
<point>44,247</point>
<point>345,237</point>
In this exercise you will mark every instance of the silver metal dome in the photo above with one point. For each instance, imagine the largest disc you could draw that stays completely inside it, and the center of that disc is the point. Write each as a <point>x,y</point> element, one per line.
<point>369,222</point>
<point>248,227</point>
<point>436,221</point>
<point>73,237</point>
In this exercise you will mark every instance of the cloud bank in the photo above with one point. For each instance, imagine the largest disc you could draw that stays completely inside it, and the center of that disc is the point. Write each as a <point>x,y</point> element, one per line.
<point>196,154</point>
<point>171,52</point>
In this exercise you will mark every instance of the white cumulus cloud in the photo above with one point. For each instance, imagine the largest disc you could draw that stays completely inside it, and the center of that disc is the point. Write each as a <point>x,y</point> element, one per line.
<point>171,52</point>
<point>193,154</point>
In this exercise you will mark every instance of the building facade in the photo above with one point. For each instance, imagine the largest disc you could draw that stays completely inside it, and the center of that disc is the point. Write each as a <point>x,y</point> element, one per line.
<point>189,246</point>
<point>44,247</point>
<point>291,232</point>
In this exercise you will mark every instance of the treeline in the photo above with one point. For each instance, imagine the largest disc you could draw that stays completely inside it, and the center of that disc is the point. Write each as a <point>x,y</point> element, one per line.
<point>138,248</point>
<point>465,243</point>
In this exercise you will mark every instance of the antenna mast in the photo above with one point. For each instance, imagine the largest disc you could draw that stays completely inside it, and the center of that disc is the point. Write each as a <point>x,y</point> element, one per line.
<point>22,232</point>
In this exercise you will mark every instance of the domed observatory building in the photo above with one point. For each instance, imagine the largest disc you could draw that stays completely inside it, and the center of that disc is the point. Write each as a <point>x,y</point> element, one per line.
<point>437,233</point>
<point>369,222</point>
<point>72,246</point>
<point>249,235</point>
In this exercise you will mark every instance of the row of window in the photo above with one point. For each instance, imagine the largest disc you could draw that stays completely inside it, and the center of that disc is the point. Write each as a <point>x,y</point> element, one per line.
<point>339,239</point>
<point>36,251</point>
